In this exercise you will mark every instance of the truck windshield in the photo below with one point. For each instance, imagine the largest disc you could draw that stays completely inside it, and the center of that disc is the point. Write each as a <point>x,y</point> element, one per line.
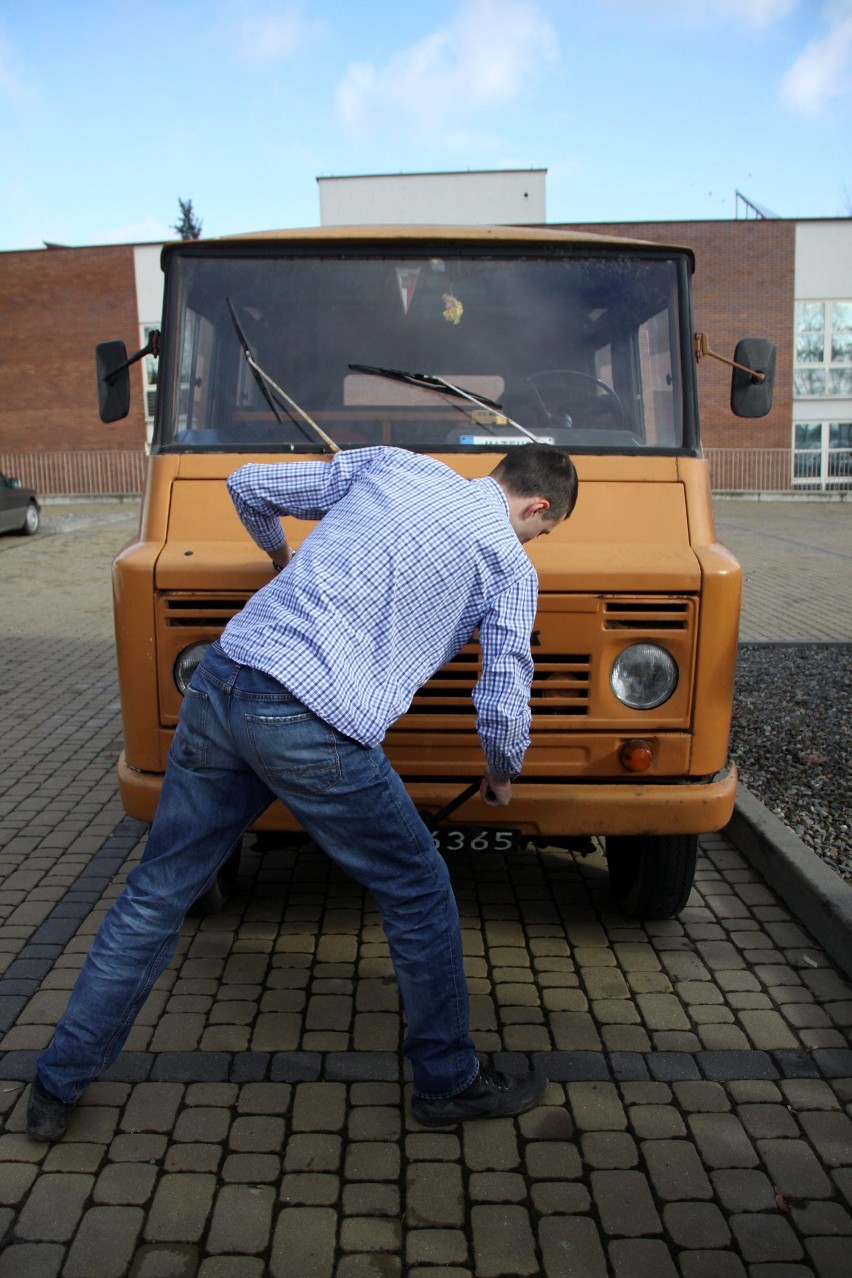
<point>581,351</point>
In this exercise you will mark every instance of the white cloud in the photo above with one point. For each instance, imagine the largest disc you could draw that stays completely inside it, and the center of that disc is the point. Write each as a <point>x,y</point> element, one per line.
<point>823,71</point>
<point>16,86</point>
<point>752,13</point>
<point>483,57</point>
<point>271,36</point>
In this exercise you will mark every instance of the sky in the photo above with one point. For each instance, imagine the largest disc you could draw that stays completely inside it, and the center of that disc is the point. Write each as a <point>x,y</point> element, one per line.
<point>639,110</point>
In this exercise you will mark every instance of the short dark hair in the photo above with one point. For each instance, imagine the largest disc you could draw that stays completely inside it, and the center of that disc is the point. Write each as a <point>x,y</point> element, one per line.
<point>540,470</point>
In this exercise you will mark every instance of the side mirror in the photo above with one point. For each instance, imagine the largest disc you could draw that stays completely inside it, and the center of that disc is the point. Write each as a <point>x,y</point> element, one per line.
<point>13,481</point>
<point>113,381</point>
<point>751,395</point>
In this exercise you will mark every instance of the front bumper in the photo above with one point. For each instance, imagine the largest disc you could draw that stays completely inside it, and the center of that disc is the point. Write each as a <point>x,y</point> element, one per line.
<point>692,806</point>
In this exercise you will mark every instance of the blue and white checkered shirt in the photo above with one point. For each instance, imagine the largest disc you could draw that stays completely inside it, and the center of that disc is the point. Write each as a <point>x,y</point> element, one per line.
<point>409,560</point>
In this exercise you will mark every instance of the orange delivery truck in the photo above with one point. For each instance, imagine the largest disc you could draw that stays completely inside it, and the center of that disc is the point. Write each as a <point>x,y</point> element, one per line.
<point>462,343</point>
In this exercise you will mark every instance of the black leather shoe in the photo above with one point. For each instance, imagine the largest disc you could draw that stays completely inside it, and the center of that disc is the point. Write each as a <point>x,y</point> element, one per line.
<point>47,1117</point>
<point>490,1095</point>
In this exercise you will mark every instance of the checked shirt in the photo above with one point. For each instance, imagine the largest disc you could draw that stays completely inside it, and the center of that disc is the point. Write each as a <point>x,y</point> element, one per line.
<point>407,561</point>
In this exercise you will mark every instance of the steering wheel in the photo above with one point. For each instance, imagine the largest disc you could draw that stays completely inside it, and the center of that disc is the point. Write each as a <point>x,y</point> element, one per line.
<point>577,399</point>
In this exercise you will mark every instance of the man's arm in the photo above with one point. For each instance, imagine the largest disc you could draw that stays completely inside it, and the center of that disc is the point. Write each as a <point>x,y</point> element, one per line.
<point>502,694</point>
<point>306,490</point>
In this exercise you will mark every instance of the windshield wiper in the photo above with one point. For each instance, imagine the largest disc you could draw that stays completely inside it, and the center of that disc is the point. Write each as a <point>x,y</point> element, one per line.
<point>263,379</point>
<point>429,381</point>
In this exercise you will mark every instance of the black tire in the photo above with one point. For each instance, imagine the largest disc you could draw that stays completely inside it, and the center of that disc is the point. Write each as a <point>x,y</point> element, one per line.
<point>651,875</point>
<point>31,520</point>
<point>221,890</point>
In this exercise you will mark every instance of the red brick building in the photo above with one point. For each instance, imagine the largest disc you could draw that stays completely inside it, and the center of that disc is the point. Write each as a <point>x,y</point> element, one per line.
<point>770,278</point>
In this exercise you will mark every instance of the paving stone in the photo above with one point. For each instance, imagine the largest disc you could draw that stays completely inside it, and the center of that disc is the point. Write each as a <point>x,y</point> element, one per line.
<point>104,1243</point>
<point>721,1141</point>
<point>696,1225</point>
<point>366,1199</point>
<point>152,1107</point>
<point>794,1168</point>
<point>310,1189</point>
<point>744,1191</point>
<point>370,1234</point>
<point>241,1220</point>
<point>712,1264</point>
<point>371,1160</point>
<point>609,1150</point>
<point>641,1258</point>
<point>822,1218</point>
<point>304,1243</point>
<point>571,1247</point>
<point>675,1170</point>
<point>492,1145</point>
<point>434,1195</point>
<point>53,1210</point>
<point>503,1242</point>
<point>390,1267</point>
<point>16,1180</point>
<point>180,1208</point>
<point>231,1267</point>
<point>125,1183</point>
<point>257,1133</point>
<point>765,1237</point>
<point>624,1203</point>
<point>830,1256</point>
<point>831,1136</point>
<point>319,1107</point>
<point>655,1122</point>
<point>31,1260</point>
<point>767,1121</point>
<point>435,1247</point>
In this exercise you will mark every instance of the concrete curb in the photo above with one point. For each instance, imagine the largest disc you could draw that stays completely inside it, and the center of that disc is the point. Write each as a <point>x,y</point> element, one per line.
<point>817,896</point>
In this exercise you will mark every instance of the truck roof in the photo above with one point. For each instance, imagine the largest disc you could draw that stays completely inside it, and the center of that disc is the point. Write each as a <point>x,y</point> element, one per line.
<point>414,234</point>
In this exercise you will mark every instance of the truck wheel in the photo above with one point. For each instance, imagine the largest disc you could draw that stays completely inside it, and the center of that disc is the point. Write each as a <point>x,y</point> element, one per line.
<point>651,875</point>
<point>220,890</point>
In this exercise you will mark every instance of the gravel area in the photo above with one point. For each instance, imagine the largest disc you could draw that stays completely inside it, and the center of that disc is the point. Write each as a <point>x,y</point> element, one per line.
<point>792,740</point>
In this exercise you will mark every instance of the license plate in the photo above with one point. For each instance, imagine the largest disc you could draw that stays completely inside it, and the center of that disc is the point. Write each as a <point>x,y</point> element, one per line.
<point>472,838</point>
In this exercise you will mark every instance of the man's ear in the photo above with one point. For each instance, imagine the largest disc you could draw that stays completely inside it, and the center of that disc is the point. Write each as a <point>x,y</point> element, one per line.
<point>538,506</point>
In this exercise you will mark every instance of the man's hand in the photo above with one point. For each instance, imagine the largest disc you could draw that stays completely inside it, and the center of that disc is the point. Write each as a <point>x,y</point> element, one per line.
<point>495,793</point>
<point>280,557</point>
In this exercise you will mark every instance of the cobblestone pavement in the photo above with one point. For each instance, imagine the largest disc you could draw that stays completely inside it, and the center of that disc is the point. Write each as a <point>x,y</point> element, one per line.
<point>699,1117</point>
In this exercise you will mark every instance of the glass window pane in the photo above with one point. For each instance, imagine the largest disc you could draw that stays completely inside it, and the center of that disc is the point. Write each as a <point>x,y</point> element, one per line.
<point>841,348</point>
<point>810,348</point>
<point>840,381</point>
<point>840,434</point>
<point>809,381</point>
<point>809,435</point>
<point>810,317</point>
<point>842,317</point>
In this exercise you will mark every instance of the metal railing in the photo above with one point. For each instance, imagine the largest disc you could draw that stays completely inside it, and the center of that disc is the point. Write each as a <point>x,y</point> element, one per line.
<point>121,472</point>
<point>779,470</point>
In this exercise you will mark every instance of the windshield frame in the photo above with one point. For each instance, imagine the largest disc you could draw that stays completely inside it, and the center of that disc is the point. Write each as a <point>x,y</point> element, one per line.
<point>400,247</point>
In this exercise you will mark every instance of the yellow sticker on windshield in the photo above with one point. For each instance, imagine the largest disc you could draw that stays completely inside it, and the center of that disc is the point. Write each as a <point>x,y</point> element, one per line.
<point>454,309</point>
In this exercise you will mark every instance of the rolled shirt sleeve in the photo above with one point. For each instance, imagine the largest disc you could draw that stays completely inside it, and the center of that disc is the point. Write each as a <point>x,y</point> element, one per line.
<point>502,694</point>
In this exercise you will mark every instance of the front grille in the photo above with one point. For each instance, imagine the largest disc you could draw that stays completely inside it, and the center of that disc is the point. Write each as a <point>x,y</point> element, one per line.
<point>560,685</point>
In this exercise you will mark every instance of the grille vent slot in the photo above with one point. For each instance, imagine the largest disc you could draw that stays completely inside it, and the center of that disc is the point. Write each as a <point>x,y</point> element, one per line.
<point>636,615</point>
<point>200,612</point>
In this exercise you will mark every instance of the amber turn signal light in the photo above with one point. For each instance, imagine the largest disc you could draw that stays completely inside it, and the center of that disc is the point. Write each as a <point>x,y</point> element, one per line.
<point>636,755</point>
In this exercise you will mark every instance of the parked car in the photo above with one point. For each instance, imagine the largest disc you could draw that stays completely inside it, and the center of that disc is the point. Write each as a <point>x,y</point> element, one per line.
<point>20,508</point>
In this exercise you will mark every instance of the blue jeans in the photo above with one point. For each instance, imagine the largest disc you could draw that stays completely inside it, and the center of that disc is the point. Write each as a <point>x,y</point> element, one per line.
<point>242,740</point>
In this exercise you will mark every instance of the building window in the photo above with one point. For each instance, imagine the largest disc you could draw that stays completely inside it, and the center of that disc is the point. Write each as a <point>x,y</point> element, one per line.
<point>822,456</point>
<point>150,373</point>
<point>823,349</point>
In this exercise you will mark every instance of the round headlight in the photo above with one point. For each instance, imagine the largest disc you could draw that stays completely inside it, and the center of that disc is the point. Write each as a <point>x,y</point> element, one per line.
<point>187,663</point>
<point>643,676</point>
